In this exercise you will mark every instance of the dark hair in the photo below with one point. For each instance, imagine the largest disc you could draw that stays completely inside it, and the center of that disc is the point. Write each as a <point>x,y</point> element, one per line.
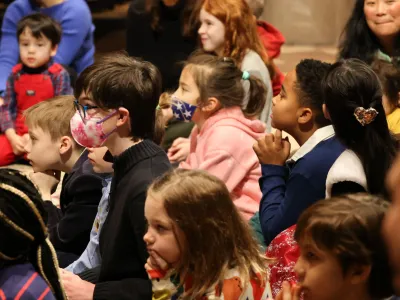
<point>221,78</point>
<point>309,74</point>
<point>348,85</point>
<point>41,24</point>
<point>358,41</point>
<point>117,80</point>
<point>349,227</point>
<point>201,207</point>
<point>189,17</point>
<point>389,77</point>
<point>23,231</point>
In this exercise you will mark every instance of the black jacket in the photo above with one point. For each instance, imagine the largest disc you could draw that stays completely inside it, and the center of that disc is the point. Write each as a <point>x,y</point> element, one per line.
<point>123,251</point>
<point>166,49</point>
<point>70,226</point>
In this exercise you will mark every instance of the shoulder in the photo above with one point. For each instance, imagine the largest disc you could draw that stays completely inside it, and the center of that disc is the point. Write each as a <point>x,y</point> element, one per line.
<point>56,69</point>
<point>252,59</point>
<point>348,167</point>
<point>17,68</point>
<point>17,9</point>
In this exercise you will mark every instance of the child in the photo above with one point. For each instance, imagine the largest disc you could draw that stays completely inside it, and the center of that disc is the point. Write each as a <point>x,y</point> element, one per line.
<point>28,265</point>
<point>210,94</point>
<point>389,77</point>
<point>117,100</point>
<point>196,231</point>
<point>272,40</point>
<point>91,258</point>
<point>52,147</point>
<point>342,254</point>
<point>289,187</point>
<point>353,102</point>
<point>35,79</point>
<point>228,30</point>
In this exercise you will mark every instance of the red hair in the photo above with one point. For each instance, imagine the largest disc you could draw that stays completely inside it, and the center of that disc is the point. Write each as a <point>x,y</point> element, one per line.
<point>240,29</point>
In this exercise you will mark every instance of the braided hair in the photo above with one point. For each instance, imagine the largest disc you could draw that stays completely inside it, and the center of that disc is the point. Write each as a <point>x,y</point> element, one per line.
<point>23,231</point>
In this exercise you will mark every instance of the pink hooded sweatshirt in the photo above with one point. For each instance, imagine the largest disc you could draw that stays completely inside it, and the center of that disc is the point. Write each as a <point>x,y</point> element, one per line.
<point>224,148</point>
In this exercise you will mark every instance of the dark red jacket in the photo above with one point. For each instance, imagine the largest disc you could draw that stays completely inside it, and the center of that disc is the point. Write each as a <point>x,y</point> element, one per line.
<point>272,40</point>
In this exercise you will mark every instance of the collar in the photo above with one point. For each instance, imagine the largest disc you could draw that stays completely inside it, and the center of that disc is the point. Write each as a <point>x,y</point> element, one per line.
<point>138,152</point>
<point>318,136</point>
<point>82,158</point>
<point>38,70</point>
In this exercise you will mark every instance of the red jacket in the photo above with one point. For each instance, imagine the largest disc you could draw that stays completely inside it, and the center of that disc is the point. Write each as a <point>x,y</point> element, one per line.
<point>272,40</point>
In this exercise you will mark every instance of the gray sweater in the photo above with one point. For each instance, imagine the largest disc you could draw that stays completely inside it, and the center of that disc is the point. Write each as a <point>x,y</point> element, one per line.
<point>253,64</point>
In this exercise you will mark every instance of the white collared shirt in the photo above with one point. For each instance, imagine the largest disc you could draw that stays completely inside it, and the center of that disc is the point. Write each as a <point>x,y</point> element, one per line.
<point>318,136</point>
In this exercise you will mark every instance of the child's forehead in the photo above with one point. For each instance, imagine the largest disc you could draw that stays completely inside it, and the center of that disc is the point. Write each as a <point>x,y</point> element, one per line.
<point>27,33</point>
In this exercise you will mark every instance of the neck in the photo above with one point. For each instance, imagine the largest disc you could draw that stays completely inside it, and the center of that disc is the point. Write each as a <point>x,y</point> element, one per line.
<point>117,147</point>
<point>69,160</point>
<point>356,293</point>
<point>303,133</point>
<point>387,44</point>
<point>50,3</point>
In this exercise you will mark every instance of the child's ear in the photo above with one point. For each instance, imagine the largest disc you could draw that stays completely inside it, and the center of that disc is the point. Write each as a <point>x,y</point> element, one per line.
<point>211,105</point>
<point>66,144</point>
<point>305,115</point>
<point>123,117</point>
<point>326,112</point>
<point>54,51</point>
<point>359,274</point>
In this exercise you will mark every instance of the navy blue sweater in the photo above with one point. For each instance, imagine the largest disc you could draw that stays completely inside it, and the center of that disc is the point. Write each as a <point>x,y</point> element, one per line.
<point>288,191</point>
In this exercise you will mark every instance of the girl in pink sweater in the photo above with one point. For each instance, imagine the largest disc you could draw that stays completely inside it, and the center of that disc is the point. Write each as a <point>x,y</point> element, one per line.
<point>210,94</point>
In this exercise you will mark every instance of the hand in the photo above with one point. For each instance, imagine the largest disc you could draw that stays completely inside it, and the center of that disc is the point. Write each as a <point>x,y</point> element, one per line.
<point>1,101</point>
<point>17,143</point>
<point>179,150</point>
<point>156,262</point>
<point>167,114</point>
<point>289,293</point>
<point>272,149</point>
<point>75,287</point>
<point>46,182</point>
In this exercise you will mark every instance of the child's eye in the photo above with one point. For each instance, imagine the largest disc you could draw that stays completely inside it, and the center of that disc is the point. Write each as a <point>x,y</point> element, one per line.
<point>310,255</point>
<point>208,23</point>
<point>40,45</point>
<point>161,228</point>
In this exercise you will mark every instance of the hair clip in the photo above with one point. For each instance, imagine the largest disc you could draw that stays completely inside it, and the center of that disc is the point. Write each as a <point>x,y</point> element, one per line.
<point>365,116</point>
<point>245,75</point>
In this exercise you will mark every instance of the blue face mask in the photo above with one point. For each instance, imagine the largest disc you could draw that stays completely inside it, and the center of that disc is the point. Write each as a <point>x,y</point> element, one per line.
<point>182,110</point>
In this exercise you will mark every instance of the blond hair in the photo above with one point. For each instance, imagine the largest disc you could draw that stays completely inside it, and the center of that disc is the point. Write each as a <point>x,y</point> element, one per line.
<point>52,116</point>
<point>216,238</point>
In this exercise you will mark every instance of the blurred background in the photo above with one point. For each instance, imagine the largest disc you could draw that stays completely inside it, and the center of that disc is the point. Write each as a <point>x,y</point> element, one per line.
<point>314,33</point>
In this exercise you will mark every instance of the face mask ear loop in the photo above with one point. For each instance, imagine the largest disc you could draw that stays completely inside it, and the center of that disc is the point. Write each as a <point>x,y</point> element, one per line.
<point>107,117</point>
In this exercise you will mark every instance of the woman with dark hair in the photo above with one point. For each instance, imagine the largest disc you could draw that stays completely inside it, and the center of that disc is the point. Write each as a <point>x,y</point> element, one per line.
<point>28,262</point>
<point>353,102</point>
<point>371,32</point>
<point>164,32</point>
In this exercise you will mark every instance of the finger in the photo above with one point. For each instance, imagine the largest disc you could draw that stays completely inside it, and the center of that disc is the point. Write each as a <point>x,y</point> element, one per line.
<point>287,293</point>
<point>178,141</point>
<point>256,148</point>
<point>269,139</point>
<point>296,292</point>
<point>160,261</point>
<point>286,146</point>
<point>278,138</point>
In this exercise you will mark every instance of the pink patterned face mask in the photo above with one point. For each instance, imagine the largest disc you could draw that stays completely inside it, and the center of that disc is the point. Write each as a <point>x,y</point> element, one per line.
<point>89,132</point>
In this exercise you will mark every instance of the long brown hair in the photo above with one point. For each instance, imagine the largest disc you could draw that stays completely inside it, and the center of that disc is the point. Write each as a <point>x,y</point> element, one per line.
<point>221,78</point>
<point>350,228</point>
<point>216,238</point>
<point>240,30</point>
<point>189,15</point>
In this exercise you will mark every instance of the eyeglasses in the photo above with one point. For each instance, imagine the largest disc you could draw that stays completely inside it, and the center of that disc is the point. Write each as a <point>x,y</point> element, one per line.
<point>83,108</point>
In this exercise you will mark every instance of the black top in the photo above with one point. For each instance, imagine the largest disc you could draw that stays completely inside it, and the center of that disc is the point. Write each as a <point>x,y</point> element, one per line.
<point>165,49</point>
<point>123,251</point>
<point>70,226</point>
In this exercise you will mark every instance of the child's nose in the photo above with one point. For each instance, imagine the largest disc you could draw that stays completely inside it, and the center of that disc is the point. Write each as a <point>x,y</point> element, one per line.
<point>299,270</point>
<point>148,238</point>
<point>201,29</point>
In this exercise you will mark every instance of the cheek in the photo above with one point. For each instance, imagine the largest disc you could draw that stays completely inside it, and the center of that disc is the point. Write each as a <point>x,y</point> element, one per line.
<point>167,247</point>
